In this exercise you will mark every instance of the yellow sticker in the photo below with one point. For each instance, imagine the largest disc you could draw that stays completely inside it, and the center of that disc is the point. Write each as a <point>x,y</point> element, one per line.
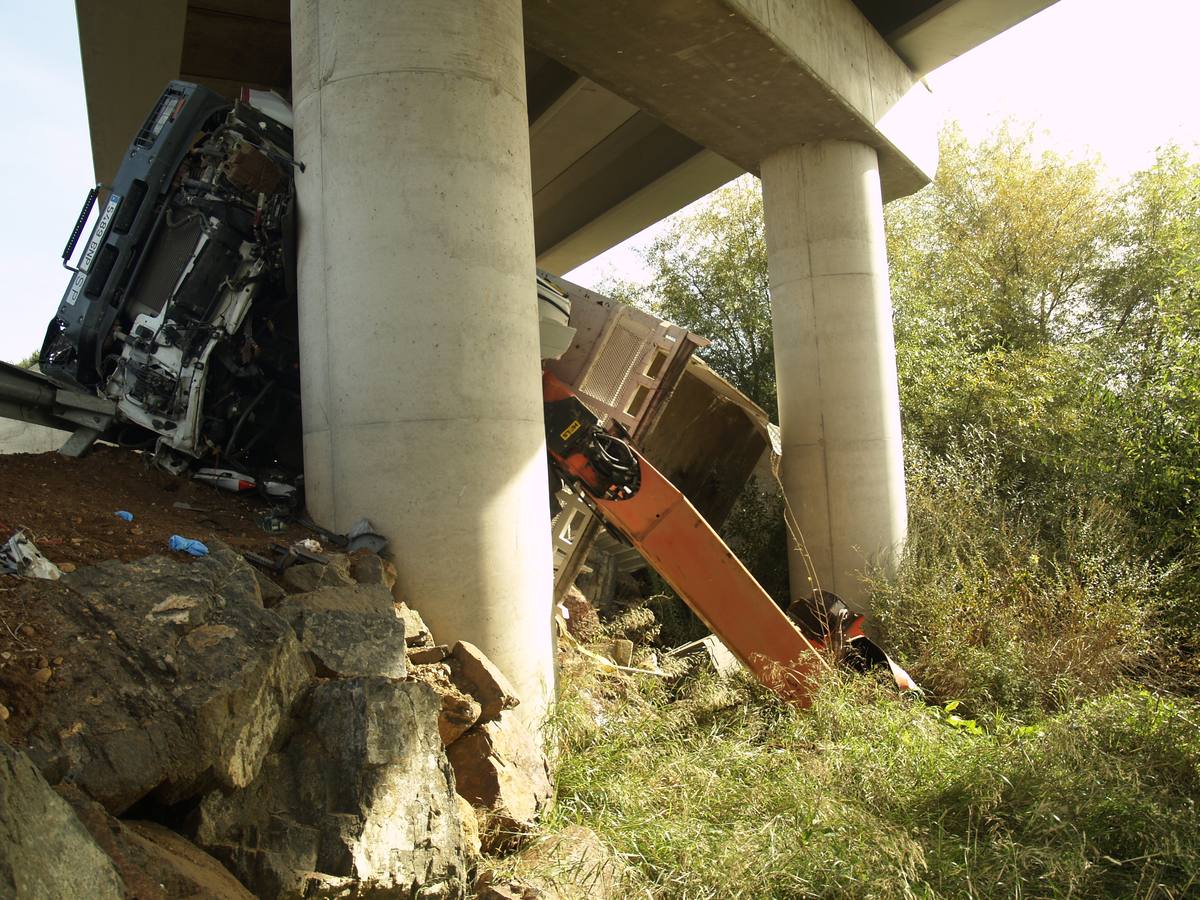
<point>570,430</point>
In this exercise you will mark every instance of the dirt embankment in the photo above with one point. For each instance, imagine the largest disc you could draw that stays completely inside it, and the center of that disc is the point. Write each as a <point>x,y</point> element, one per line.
<point>67,508</point>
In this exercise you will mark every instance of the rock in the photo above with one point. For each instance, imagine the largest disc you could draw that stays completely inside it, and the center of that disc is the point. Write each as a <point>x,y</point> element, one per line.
<point>358,800</point>
<point>346,633</point>
<point>459,711</point>
<point>489,885</point>
<point>66,568</point>
<point>582,620</point>
<point>369,568</point>
<point>4,713</point>
<point>474,674</point>
<point>355,598</point>
<point>500,770</point>
<point>418,634</point>
<point>186,682</point>
<point>270,592</point>
<point>305,577</point>
<point>423,656</point>
<point>153,862</point>
<point>621,651</point>
<point>42,675</point>
<point>574,864</point>
<point>472,848</point>
<point>27,631</point>
<point>45,852</point>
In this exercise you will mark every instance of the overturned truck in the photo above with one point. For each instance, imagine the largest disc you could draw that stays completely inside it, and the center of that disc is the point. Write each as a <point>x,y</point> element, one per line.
<point>177,334</point>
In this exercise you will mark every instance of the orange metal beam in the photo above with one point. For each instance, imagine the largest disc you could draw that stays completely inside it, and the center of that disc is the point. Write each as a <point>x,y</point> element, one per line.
<point>675,539</point>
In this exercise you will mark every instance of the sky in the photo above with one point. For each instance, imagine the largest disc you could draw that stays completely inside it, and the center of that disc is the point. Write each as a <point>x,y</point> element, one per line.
<point>1107,77</point>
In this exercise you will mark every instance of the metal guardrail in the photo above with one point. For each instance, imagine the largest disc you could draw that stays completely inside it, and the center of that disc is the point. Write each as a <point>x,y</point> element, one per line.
<point>29,396</point>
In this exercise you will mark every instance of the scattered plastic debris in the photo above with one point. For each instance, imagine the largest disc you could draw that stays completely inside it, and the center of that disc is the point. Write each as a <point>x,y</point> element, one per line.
<point>234,480</point>
<point>311,545</point>
<point>272,523</point>
<point>227,479</point>
<point>20,556</point>
<point>362,535</point>
<point>124,514</point>
<point>187,545</point>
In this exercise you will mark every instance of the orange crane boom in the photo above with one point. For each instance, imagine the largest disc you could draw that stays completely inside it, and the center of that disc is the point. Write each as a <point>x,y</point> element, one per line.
<point>637,500</point>
<point>676,540</point>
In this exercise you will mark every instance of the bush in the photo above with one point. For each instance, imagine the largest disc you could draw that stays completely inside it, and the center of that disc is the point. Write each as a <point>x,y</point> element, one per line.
<point>1005,608</point>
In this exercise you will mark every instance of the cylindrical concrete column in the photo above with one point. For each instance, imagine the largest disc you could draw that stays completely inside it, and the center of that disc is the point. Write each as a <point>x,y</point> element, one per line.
<point>835,361</point>
<point>418,313</point>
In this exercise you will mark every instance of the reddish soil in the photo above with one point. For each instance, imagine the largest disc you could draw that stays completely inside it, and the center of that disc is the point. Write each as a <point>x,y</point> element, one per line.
<point>67,508</point>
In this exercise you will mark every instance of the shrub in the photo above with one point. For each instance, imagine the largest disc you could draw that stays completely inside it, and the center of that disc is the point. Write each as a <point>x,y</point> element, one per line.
<point>1004,608</point>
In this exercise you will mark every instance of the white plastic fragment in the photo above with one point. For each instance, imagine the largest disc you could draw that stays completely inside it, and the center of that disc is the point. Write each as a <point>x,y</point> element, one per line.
<point>20,556</point>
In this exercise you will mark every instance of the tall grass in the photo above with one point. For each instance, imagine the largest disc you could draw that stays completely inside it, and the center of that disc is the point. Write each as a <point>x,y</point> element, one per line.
<point>1008,605</point>
<point>729,793</point>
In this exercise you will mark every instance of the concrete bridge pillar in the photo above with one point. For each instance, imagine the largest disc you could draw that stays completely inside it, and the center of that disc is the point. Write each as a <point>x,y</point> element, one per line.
<point>418,315</point>
<point>835,361</point>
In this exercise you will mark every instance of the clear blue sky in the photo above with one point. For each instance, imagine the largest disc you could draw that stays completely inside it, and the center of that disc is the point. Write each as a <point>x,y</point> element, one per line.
<point>1107,76</point>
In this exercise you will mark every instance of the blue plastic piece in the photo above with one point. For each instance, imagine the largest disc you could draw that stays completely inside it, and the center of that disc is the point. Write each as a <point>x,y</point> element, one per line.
<point>187,545</point>
<point>124,514</point>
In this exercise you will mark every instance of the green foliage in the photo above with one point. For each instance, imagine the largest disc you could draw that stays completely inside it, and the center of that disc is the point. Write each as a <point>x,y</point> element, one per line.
<point>994,607</point>
<point>1055,322</point>
<point>1150,332</point>
<point>31,360</point>
<point>1006,247</point>
<point>729,793</point>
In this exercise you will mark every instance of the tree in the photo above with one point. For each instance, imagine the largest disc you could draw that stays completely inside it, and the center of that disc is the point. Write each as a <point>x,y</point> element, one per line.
<point>995,269</point>
<point>1008,245</point>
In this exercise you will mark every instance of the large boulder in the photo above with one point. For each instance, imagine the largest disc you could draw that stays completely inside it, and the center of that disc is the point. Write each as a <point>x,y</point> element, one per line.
<point>154,862</point>
<point>359,799</point>
<point>476,675</point>
<point>45,852</point>
<point>349,631</point>
<point>179,678</point>
<point>500,769</point>
<point>304,577</point>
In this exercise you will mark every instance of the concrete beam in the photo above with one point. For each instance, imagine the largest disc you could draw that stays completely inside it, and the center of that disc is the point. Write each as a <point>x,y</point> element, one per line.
<point>835,363</point>
<point>953,27</point>
<point>625,216</point>
<point>743,78</point>
<point>226,49</point>
<point>129,50</point>
<point>419,339</point>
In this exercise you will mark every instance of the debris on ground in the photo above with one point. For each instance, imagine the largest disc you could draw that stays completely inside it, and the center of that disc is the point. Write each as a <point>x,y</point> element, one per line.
<point>582,620</point>
<point>708,654</point>
<point>19,556</point>
<point>180,544</point>
<point>66,506</point>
